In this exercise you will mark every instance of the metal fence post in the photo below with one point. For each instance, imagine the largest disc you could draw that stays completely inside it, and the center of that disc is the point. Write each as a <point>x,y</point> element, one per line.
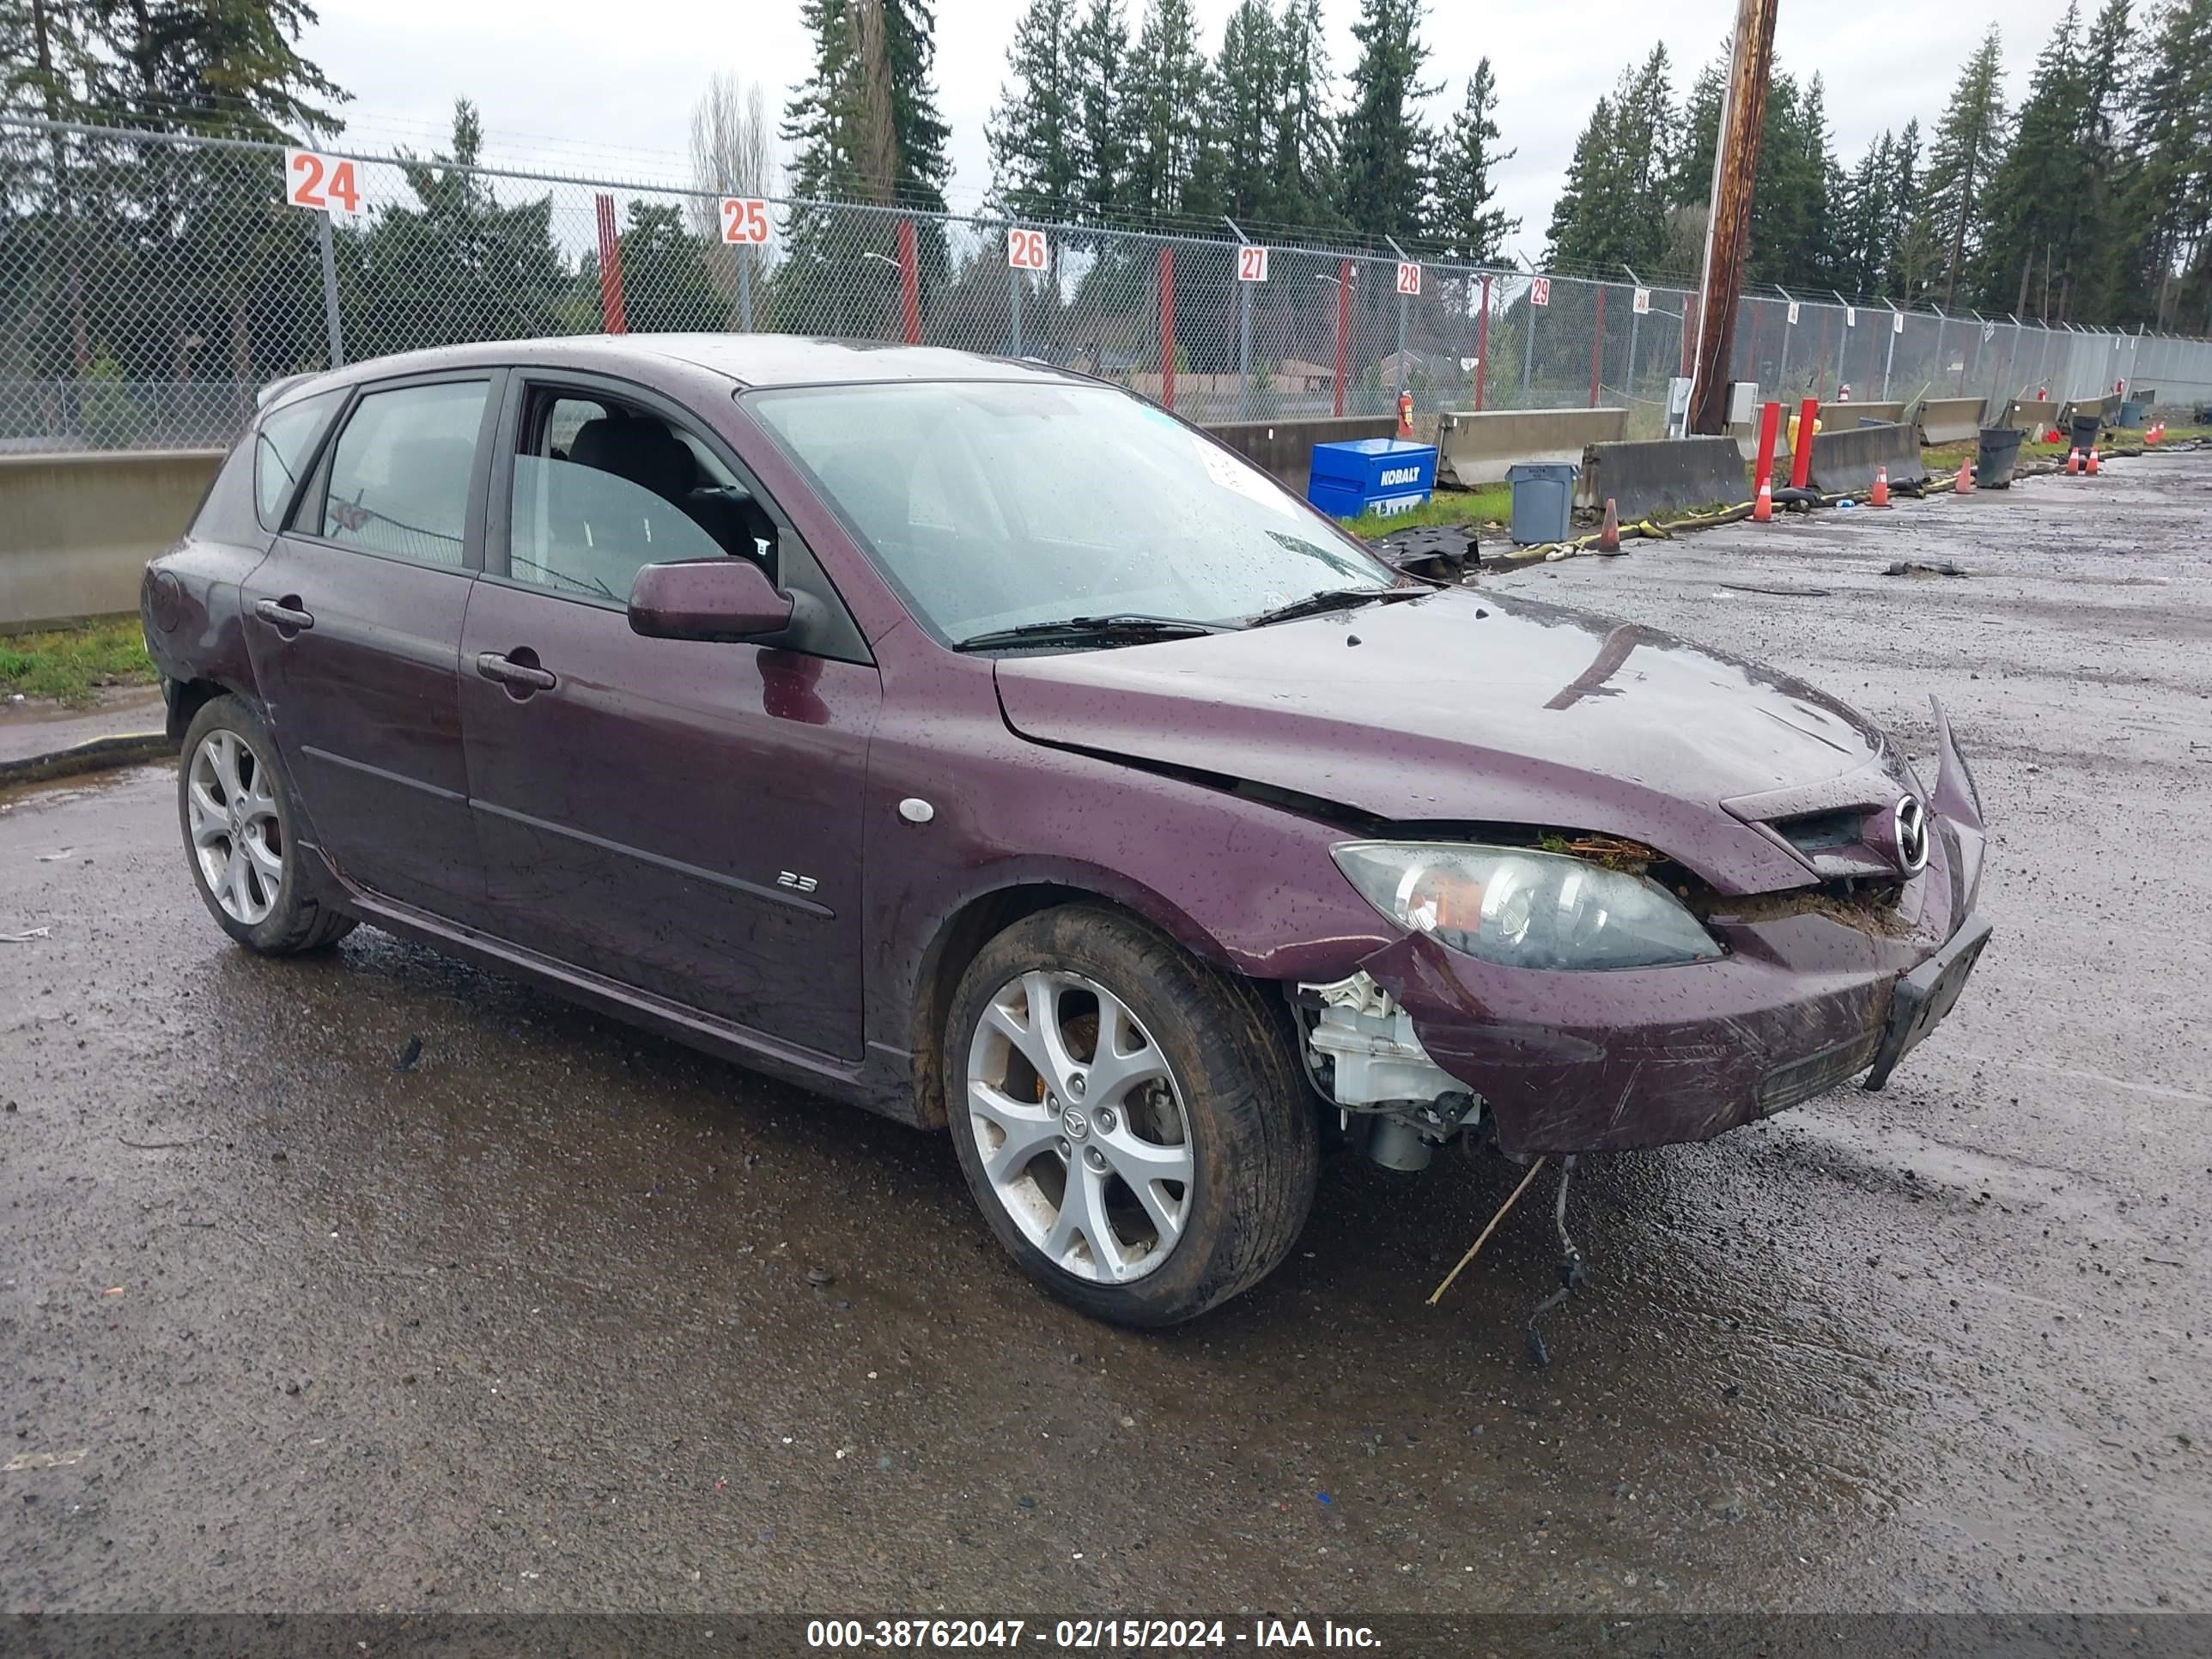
<point>1597,346</point>
<point>1343,329</point>
<point>1528,345</point>
<point>1244,331</point>
<point>330,323</point>
<point>1014,302</point>
<point>1789,328</point>
<point>1482,344</point>
<point>1401,389</point>
<point>1167,329</point>
<point>744,290</point>
<point>1889,358</point>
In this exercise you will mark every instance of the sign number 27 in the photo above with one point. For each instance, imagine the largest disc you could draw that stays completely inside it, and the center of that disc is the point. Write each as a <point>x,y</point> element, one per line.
<point>319,182</point>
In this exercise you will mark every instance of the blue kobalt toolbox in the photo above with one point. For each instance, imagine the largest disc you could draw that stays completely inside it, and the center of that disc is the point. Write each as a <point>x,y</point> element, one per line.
<point>1372,475</point>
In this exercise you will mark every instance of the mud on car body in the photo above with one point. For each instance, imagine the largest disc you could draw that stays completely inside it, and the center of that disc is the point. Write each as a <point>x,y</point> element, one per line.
<point>975,743</point>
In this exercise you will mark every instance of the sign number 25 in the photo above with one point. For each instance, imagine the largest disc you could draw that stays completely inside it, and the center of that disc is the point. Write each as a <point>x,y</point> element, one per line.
<point>744,219</point>
<point>319,182</point>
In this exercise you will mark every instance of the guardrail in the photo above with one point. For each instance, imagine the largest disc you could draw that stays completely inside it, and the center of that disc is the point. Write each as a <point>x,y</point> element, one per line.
<point>1949,420</point>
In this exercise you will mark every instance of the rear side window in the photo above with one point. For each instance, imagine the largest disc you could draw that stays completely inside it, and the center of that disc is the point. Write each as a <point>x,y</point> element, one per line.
<point>399,475</point>
<point>281,449</point>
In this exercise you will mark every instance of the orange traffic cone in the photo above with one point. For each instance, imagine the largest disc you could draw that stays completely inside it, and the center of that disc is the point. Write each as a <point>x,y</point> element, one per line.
<point>2157,431</point>
<point>1608,534</point>
<point>2073,463</point>
<point>1762,510</point>
<point>1880,497</point>
<point>2092,468</point>
<point>1964,484</point>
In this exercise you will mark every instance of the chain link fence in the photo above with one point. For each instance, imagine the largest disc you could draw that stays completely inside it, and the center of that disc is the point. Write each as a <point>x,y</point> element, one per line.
<point>149,282</point>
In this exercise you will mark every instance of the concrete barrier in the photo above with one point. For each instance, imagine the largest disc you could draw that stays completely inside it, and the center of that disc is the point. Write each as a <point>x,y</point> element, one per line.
<point>1834,416</point>
<point>1474,449</point>
<point>1948,420</point>
<point>1844,462</point>
<point>2031,414</point>
<point>1285,448</point>
<point>2103,408</point>
<point>1664,473</point>
<point>76,531</point>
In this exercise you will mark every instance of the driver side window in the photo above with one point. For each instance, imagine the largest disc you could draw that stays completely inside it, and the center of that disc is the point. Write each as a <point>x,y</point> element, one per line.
<point>602,488</point>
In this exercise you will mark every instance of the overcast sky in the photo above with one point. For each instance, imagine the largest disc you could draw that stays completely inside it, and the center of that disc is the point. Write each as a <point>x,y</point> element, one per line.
<point>609,86</point>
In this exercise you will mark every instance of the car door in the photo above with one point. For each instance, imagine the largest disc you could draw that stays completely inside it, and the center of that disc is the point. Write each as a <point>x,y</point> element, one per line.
<point>680,816</point>
<point>353,623</point>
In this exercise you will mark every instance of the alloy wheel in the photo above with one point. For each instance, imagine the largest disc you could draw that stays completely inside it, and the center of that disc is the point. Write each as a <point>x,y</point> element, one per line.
<point>1081,1125</point>
<point>238,840</point>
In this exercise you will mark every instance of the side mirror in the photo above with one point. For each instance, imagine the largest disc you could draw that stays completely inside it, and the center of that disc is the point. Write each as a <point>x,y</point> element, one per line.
<point>729,599</point>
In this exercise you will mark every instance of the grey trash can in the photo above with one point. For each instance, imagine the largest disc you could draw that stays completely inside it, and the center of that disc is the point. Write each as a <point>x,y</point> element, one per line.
<point>2000,454</point>
<point>2130,415</point>
<point>1543,501</point>
<point>2083,435</point>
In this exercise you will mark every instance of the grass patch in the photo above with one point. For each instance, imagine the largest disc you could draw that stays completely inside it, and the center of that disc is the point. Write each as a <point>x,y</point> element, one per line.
<point>70,664</point>
<point>1491,505</point>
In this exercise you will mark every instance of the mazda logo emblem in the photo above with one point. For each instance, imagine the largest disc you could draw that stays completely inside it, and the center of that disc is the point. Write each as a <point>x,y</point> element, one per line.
<point>1912,826</point>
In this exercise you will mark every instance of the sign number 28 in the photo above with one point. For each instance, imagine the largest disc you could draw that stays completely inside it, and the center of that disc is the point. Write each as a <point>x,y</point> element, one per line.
<point>319,182</point>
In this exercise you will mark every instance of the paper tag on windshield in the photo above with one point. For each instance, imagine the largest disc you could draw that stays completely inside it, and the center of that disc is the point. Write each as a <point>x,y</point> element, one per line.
<point>1230,473</point>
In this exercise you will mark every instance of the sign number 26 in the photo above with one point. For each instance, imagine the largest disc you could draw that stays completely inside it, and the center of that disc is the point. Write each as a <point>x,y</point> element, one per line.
<point>319,182</point>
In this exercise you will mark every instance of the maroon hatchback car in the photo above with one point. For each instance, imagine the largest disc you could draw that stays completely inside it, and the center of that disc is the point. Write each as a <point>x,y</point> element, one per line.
<point>975,741</point>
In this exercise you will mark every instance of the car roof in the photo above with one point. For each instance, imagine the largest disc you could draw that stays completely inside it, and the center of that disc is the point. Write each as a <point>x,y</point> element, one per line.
<point>750,359</point>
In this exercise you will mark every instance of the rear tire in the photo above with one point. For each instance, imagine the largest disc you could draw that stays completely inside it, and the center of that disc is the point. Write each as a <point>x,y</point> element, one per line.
<point>234,807</point>
<point>1168,1090</point>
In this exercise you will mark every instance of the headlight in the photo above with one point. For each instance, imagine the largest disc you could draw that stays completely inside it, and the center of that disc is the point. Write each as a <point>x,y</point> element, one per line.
<point>1523,908</point>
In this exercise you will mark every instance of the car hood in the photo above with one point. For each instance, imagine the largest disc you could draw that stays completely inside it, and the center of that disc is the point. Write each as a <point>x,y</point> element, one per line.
<point>1466,708</point>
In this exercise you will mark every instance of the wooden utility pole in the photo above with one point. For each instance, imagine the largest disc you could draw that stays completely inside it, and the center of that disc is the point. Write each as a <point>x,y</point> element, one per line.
<point>1727,225</point>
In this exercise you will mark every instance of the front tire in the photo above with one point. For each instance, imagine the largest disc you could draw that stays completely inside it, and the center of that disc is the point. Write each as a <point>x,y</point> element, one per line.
<point>234,806</point>
<point>1129,1121</point>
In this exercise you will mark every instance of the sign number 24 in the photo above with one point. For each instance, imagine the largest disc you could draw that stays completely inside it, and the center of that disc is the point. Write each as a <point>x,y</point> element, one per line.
<point>319,182</point>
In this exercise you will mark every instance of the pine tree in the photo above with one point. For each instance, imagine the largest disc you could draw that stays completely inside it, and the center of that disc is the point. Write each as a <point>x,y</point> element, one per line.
<point>827,120</point>
<point>1911,244</point>
<point>1612,212</point>
<point>1462,219</point>
<point>1969,139</point>
<point>1167,106</point>
<point>1690,175</point>
<point>1385,141</point>
<point>840,122</point>
<point>227,67</point>
<point>1035,139</point>
<point>1305,128</point>
<point>1246,89</point>
<point>2169,201</point>
<point>1098,58</point>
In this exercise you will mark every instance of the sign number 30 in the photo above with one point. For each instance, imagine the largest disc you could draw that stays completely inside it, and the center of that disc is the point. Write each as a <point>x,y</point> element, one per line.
<point>319,182</point>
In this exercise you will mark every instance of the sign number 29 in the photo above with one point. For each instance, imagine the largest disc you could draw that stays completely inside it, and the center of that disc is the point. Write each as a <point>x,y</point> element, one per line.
<point>319,182</point>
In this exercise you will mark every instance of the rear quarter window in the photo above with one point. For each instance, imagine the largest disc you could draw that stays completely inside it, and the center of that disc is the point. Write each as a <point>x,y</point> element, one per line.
<point>282,445</point>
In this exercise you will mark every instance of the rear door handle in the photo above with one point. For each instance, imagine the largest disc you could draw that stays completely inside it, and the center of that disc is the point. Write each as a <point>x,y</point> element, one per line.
<point>494,666</point>
<point>282,615</point>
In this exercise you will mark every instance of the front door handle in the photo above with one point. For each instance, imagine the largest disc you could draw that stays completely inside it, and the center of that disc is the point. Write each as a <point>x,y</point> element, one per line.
<point>494,665</point>
<point>284,613</point>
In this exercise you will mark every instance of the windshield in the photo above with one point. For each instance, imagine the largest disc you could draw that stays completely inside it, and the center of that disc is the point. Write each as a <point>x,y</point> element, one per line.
<point>992,505</point>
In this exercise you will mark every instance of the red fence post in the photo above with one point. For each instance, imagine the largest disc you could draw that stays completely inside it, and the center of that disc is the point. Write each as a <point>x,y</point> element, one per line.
<point>1801,446</point>
<point>1769,430</point>
<point>610,284</point>
<point>1597,345</point>
<point>1482,345</point>
<point>909,283</point>
<point>1167,329</point>
<point>1343,328</point>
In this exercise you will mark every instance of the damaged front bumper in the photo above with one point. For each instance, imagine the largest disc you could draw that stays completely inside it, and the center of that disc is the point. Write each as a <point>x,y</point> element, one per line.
<point>1611,1061</point>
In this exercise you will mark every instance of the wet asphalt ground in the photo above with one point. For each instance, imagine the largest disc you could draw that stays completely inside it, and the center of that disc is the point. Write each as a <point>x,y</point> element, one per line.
<point>562,1317</point>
